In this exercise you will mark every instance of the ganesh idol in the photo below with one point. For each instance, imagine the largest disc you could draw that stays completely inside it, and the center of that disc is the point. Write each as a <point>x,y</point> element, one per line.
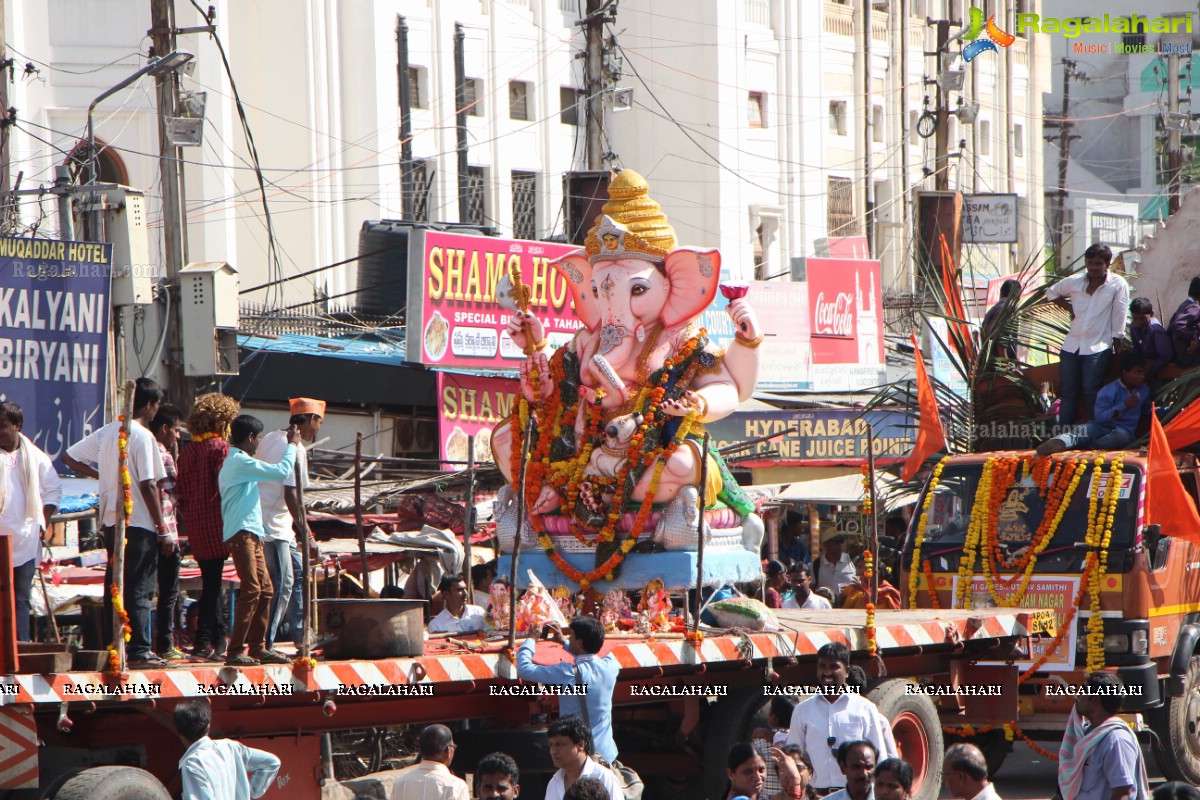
<point>615,466</point>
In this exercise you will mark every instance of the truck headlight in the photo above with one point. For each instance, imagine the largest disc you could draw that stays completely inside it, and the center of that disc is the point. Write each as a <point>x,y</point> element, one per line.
<point>1140,643</point>
<point>1116,643</point>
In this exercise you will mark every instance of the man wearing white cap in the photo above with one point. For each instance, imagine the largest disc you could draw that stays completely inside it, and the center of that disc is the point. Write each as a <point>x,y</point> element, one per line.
<point>834,569</point>
<point>283,518</point>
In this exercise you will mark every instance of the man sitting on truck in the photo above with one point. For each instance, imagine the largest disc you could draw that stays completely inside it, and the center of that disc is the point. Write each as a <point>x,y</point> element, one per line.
<point>1149,337</point>
<point>458,616</point>
<point>824,721</point>
<point>1100,758</point>
<point>1119,407</point>
<point>1184,328</point>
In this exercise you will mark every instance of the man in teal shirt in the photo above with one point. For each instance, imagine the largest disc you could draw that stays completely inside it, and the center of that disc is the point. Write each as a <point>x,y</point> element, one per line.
<point>243,531</point>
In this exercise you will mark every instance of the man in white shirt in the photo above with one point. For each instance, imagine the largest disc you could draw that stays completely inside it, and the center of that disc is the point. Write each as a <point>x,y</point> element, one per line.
<point>146,531</point>
<point>457,616</point>
<point>823,722</point>
<point>857,761</point>
<point>570,745</point>
<point>802,595</point>
<point>431,778</point>
<point>219,769</point>
<point>834,569</point>
<point>965,773</point>
<point>283,518</point>
<point>30,492</point>
<point>1099,304</point>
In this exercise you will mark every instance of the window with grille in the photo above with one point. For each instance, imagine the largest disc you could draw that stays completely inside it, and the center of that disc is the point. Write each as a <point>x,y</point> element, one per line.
<point>472,97</point>
<point>756,110</point>
<point>837,117</point>
<point>518,100</point>
<point>476,212</point>
<point>568,103</point>
<point>420,183</point>
<point>524,199</point>
<point>416,80</point>
<point>841,220</point>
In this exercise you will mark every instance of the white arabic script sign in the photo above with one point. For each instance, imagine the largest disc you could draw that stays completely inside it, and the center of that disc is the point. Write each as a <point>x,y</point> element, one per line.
<point>989,218</point>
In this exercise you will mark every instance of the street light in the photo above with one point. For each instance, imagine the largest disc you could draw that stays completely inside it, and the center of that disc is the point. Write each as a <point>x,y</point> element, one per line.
<point>168,63</point>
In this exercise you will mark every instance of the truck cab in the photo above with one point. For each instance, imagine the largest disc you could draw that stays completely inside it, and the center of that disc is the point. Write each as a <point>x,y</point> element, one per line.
<point>1149,585</point>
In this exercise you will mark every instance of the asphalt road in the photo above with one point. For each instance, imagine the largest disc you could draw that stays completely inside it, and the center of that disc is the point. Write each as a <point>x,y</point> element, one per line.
<point>1028,776</point>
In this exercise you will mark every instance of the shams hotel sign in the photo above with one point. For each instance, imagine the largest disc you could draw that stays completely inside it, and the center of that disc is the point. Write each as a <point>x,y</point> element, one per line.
<point>1074,27</point>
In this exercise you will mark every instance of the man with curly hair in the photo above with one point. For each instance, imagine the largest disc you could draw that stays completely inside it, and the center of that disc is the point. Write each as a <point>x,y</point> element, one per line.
<point>200,508</point>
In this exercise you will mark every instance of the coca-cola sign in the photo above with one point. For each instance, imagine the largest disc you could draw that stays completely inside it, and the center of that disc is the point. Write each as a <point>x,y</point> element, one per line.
<point>833,315</point>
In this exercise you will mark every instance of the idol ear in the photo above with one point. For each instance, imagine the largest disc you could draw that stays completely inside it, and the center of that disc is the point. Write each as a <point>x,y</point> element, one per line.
<point>693,276</point>
<point>577,271</point>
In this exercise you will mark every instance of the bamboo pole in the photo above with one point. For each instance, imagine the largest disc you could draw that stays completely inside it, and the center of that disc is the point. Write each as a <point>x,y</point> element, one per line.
<point>700,532</point>
<point>516,553</point>
<point>306,621</point>
<point>118,553</point>
<point>469,517</point>
<point>359,528</point>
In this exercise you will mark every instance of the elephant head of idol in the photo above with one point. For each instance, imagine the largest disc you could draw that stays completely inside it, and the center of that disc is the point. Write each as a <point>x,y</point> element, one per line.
<point>631,281</point>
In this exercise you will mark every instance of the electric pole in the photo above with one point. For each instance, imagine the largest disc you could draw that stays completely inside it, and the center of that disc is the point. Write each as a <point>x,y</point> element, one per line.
<point>1064,153</point>
<point>595,83</point>
<point>162,33</point>
<point>1174,129</point>
<point>941,135</point>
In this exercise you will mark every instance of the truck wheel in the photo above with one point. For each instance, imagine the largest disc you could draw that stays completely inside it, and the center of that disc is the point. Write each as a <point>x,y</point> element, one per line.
<point>112,783</point>
<point>1176,725</point>
<point>918,733</point>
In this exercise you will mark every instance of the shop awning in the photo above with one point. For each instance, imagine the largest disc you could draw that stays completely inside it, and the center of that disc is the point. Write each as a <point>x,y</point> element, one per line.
<point>845,490</point>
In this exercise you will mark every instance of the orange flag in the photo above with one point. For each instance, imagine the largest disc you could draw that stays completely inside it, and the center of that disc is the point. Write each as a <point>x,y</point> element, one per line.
<point>1184,429</point>
<point>930,437</point>
<point>1167,502</point>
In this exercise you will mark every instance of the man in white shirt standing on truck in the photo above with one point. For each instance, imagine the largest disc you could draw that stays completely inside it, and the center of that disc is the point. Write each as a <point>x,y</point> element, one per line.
<point>283,518</point>
<point>1099,304</point>
<point>30,492</point>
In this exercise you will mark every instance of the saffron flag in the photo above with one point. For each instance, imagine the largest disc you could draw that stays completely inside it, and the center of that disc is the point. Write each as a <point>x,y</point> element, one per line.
<point>1184,429</point>
<point>930,437</point>
<point>1167,502</point>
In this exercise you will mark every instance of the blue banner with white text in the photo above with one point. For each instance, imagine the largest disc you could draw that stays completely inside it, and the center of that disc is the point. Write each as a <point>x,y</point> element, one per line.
<point>54,324</point>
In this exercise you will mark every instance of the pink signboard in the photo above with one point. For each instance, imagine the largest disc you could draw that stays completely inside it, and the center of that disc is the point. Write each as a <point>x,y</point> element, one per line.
<point>470,405</point>
<point>786,357</point>
<point>453,318</point>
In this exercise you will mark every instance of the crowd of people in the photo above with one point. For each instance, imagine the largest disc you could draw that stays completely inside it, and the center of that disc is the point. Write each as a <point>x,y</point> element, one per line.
<point>216,494</point>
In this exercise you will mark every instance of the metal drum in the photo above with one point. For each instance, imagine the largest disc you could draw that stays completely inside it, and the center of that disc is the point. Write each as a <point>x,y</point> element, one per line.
<point>367,629</point>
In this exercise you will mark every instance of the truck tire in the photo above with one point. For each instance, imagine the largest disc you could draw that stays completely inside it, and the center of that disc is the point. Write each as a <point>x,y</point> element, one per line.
<point>918,733</point>
<point>112,783</point>
<point>1176,744</point>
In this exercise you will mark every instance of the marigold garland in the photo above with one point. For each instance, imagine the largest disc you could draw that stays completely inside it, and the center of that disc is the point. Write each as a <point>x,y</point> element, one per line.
<point>927,568</point>
<point>867,508</point>
<point>1011,731</point>
<point>204,437</point>
<point>913,574</point>
<point>567,476</point>
<point>126,481</point>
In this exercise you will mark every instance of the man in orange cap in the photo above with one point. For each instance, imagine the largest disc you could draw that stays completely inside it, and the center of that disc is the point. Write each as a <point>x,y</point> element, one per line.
<point>283,519</point>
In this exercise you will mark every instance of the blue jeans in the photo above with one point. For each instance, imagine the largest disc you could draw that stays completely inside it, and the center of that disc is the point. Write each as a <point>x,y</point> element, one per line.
<point>22,585</point>
<point>1080,377</point>
<point>279,565</point>
<point>295,612</point>
<point>1098,437</point>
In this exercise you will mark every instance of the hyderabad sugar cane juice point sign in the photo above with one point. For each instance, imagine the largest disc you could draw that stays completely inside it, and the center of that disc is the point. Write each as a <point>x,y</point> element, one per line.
<point>617,471</point>
<point>54,323</point>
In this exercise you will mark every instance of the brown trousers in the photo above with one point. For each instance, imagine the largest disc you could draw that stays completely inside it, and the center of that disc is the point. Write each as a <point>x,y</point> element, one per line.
<point>253,611</point>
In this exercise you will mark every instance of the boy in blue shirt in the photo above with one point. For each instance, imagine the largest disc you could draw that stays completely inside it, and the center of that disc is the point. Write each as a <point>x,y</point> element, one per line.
<point>1120,405</point>
<point>243,531</point>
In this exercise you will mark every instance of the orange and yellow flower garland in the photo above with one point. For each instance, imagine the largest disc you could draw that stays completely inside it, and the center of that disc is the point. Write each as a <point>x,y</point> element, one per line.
<point>567,475</point>
<point>913,574</point>
<point>867,507</point>
<point>868,574</point>
<point>126,481</point>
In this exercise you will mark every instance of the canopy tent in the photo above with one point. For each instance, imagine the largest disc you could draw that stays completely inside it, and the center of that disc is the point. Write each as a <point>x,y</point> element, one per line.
<point>846,490</point>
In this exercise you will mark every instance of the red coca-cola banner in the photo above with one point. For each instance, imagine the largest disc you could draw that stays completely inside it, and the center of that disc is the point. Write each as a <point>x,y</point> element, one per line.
<point>845,299</point>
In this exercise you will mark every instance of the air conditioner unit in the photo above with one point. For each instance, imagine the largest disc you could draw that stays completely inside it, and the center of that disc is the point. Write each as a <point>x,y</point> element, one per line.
<point>124,225</point>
